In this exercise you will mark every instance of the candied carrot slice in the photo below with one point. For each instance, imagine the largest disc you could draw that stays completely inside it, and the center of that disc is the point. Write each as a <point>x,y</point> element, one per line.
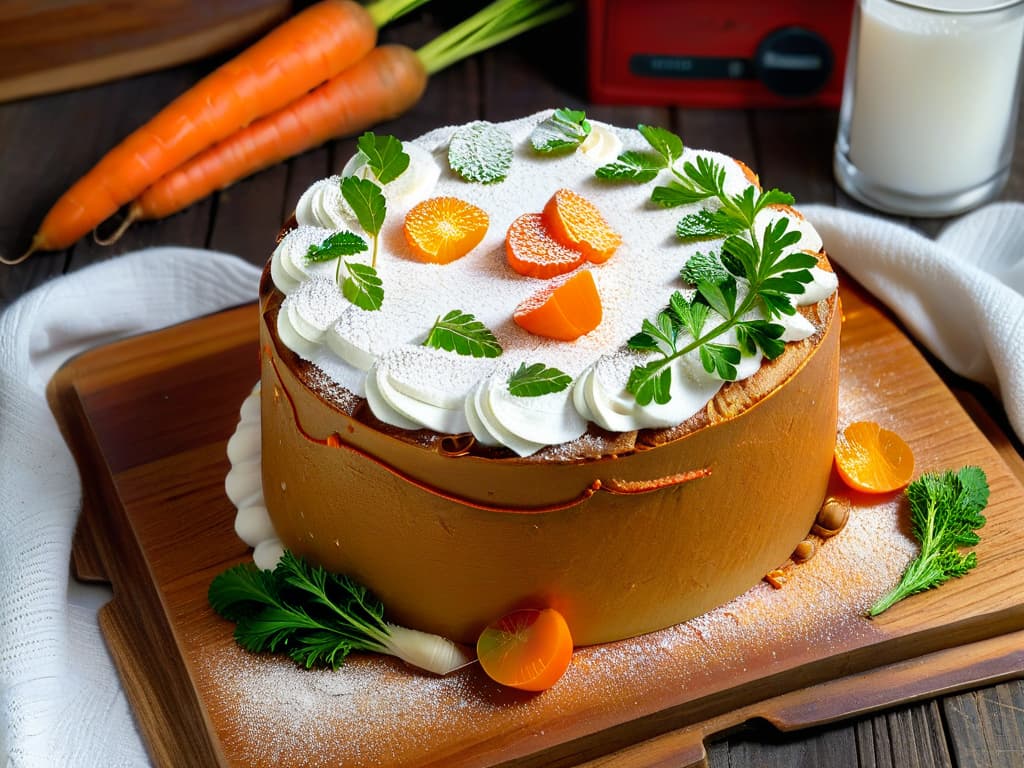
<point>575,222</point>
<point>529,649</point>
<point>532,252</point>
<point>442,229</point>
<point>872,459</point>
<point>564,310</point>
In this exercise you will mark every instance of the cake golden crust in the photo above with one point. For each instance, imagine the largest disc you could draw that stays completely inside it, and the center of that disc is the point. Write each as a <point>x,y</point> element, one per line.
<point>664,527</point>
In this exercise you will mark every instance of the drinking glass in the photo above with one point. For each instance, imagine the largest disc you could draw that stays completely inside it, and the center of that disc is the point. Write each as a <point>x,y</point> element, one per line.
<point>930,100</point>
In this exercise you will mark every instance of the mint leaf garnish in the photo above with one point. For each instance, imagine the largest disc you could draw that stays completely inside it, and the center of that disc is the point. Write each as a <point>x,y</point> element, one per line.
<point>640,167</point>
<point>460,332</point>
<point>565,129</point>
<point>664,142</point>
<point>703,267</point>
<point>384,155</point>
<point>363,287</point>
<point>481,152</point>
<point>369,205</point>
<point>537,379</point>
<point>706,224</point>
<point>336,245</point>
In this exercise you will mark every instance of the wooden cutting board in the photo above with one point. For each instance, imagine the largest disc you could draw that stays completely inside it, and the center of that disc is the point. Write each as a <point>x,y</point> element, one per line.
<point>53,45</point>
<point>148,419</point>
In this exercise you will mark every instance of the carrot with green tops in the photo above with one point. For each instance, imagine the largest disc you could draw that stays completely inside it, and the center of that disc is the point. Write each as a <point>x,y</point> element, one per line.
<point>300,54</point>
<point>388,81</point>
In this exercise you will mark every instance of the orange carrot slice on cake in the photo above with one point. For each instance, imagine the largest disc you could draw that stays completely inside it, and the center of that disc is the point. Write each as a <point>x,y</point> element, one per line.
<point>564,310</point>
<point>532,252</point>
<point>443,229</point>
<point>576,223</point>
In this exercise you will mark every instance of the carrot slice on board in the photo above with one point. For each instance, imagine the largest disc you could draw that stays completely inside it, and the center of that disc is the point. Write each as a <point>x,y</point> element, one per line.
<point>532,252</point>
<point>443,229</point>
<point>575,222</point>
<point>564,310</point>
<point>529,649</point>
<point>872,459</point>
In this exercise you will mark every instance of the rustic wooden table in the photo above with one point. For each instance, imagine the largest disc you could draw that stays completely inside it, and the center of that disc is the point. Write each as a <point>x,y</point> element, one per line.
<point>47,142</point>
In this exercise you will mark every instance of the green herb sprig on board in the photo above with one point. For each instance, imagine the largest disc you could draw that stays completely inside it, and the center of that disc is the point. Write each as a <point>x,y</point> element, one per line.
<point>318,618</point>
<point>945,513</point>
<point>762,259</point>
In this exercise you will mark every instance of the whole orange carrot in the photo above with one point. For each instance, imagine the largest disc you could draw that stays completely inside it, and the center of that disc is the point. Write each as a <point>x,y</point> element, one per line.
<point>298,55</point>
<point>387,82</point>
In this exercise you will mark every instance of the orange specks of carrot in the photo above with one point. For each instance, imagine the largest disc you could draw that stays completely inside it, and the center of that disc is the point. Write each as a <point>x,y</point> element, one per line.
<point>532,252</point>
<point>529,649</point>
<point>872,459</point>
<point>575,222</point>
<point>564,310</point>
<point>442,229</point>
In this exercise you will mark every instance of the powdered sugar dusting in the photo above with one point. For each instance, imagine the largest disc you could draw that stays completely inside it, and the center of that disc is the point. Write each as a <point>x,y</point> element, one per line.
<point>376,711</point>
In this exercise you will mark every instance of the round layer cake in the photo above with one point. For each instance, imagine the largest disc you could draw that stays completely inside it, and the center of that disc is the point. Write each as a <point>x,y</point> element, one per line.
<point>423,474</point>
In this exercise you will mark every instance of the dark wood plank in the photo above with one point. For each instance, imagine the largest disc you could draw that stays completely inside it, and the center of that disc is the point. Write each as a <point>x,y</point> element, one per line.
<point>834,747</point>
<point>985,727</point>
<point>794,151</point>
<point>723,130</point>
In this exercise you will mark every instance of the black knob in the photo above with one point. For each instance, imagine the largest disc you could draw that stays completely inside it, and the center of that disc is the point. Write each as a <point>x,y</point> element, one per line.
<point>793,62</point>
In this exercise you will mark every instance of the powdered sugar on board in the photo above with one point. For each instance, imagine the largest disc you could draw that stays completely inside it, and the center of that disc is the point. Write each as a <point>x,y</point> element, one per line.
<point>376,711</point>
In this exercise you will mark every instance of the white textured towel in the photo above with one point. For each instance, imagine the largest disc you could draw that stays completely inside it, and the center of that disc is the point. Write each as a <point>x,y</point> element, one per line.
<point>60,700</point>
<point>961,295</point>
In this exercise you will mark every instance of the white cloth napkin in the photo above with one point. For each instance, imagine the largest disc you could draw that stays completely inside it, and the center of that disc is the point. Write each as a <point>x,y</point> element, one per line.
<point>961,295</point>
<point>61,703</point>
<point>60,700</point>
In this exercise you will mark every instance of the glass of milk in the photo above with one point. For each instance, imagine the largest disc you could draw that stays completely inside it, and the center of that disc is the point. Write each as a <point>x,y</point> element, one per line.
<point>930,102</point>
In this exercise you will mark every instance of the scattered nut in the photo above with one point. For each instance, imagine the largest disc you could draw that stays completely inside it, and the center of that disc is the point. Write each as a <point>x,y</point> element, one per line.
<point>805,550</point>
<point>832,517</point>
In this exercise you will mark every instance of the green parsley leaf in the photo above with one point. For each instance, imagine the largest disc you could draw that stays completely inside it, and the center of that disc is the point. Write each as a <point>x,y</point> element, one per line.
<point>363,287</point>
<point>753,335</point>
<point>706,174</point>
<point>640,167</point>
<point>721,297</point>
<point>664,142</point>
<point>762,258</point>
<point>336,245</point>
<point>460,332</point>
<point>537,379</point>
<point>720,359</point>
<point>316,617</point>
<point>565,129</point>
<point>481,152</point>
<point>945,512</point>
<point>691,315</point>
<point>675,194</point>
<point>384,155</point>
<point>367,201</point>
<point>651,381</point>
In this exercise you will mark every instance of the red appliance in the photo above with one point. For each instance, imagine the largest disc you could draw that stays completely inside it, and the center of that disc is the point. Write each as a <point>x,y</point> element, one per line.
<point>718,53</point>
